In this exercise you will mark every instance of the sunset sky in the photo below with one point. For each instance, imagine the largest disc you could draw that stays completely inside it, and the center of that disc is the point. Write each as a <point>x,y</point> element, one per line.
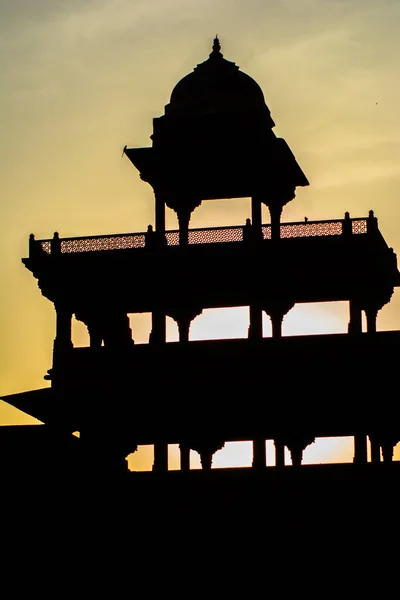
<point>82,78</point>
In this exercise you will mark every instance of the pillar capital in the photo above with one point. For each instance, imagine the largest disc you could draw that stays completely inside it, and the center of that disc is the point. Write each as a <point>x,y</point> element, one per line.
<point>276,308</point>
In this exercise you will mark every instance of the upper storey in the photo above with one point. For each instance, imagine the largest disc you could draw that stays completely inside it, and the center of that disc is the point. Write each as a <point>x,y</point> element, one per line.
<point>216,140</point>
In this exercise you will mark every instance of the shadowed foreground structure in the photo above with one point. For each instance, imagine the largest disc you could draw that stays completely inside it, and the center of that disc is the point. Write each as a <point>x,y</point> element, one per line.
<point>214,141</point>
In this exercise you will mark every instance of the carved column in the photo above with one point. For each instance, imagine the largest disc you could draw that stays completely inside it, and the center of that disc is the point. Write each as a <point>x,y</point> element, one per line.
<point>360,449</point>
<point>184,323</point>
<point>206,449</point>
<point>275,212</point>
<point>184,318</point>
<point>184,219</point>
<point>160,464</point>
<point>297,444</point>
<point>276,309</point>
<point>259,454</point>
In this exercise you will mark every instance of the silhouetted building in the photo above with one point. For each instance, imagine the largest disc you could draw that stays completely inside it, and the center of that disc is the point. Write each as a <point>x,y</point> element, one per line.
<point>215,141</point>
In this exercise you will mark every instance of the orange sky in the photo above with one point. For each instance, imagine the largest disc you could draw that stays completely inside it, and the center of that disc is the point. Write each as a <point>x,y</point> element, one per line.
<point>82,78</point>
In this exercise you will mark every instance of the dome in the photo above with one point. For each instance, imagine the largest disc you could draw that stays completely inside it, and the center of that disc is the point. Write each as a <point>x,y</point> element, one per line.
<point>216,86</point>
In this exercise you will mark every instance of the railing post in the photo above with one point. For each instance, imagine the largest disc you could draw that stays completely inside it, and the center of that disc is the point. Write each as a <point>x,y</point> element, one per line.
<point>248,232</point>
<point>149,237</point>
<point>55,244</point>
<point>347,225</point>
<point>32,246</point>
<point>372,222</point>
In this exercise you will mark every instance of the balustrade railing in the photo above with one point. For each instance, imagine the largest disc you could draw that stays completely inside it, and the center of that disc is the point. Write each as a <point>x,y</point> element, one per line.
<point>210,235</point>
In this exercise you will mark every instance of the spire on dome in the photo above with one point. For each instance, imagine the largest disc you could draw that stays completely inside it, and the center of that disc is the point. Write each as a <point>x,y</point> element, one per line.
<point>216,48</point>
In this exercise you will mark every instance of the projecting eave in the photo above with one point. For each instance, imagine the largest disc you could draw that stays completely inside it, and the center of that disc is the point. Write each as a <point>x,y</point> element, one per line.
<point>292,168</point>
<point>39,404</point>
<point>143,159</point>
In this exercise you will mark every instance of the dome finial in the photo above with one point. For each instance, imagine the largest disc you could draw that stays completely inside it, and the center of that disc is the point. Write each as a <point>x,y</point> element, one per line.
<point>216,49</point>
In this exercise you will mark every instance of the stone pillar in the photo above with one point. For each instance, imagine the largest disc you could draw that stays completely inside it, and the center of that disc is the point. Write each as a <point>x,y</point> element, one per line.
<point>276,321</point>
<point>117,331</point>
<point>185,457</point>
<point>63,327</point>
<point>184,319</point>
<point>183,219</point>
<point>276,309</point>
<point>184,329</point>
<point>275,212</point>
<point>259,454</point>
<point>355,323</point>
<point>360,449</point>
<point>256,218</point>
<point>160,464</point>
<point>160,215</point>
<point>371,314</point>
<point>347,227</point>
<point>297,444</point>
<point>255,323</point>
<point>95,332</point>
<point>279,453</point>
<point>206,449</point>
<point>158,334</point>
<point>296,454</point>
<point>206,458</point>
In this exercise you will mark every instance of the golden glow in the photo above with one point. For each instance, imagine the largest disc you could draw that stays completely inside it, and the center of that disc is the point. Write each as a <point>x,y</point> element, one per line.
<point>83,79</point>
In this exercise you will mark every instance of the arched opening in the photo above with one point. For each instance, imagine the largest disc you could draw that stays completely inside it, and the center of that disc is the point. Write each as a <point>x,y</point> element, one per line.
<point>326,451</point>
<point>396,453</point>
<point>221,323</point>
<point>174,457</point>
<point>140,324</point>
<point>316,318</point>
<point>221,213</point>
<point>79,334</point>
<point>172,330</point>
<point>234,454</point>
<point>142,459</point>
